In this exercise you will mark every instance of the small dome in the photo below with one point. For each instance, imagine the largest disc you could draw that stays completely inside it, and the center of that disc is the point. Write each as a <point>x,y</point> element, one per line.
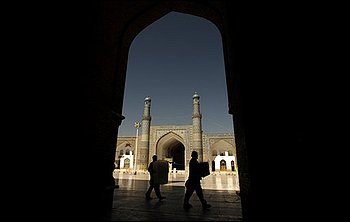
<point>195,95</point>
<point>148,98</point>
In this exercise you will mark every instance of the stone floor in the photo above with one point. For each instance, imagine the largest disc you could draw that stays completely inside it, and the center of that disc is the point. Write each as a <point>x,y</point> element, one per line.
<point>130,203</point>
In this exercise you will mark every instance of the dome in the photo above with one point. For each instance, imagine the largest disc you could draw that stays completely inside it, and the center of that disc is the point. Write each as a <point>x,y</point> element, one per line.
<point>195,95</point>
<point>148,98</point>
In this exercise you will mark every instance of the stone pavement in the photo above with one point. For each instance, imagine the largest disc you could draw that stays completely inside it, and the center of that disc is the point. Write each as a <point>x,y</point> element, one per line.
<point>130,204</point>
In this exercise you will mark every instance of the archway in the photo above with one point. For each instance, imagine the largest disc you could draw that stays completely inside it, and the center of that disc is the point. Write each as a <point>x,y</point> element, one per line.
<point>171,147</point>
<point>147,16</point>
<point>232,165</point>
<point>177,154</point>
<point>223,165</point>
<point>127,163</point>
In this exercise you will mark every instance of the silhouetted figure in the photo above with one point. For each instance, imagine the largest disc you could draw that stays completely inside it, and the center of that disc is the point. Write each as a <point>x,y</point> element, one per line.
<point>193,183</point>
<point>152,184</point>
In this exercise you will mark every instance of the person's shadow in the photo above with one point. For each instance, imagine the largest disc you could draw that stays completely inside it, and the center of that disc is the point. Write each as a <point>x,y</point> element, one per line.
<point>158,204</point>
<point>154,203</point>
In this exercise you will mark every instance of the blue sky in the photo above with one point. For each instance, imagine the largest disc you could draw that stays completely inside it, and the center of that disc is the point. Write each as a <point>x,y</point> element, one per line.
<point>169,60</point>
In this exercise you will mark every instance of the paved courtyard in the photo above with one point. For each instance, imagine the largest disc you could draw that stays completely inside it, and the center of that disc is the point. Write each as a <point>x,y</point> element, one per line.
<point>215,181</point>
<point>130,203</point>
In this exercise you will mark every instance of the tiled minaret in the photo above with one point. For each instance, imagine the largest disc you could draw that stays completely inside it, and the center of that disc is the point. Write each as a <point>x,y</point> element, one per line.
<point>145,131</point>
<point>197,128</point>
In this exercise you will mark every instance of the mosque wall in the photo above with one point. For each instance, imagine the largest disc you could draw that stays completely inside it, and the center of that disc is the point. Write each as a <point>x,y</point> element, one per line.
<point>216,146</point>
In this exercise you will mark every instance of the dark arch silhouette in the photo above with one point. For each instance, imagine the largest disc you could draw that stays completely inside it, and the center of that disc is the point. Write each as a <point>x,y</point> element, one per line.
<point>267,84</point>
<point>147,16</point>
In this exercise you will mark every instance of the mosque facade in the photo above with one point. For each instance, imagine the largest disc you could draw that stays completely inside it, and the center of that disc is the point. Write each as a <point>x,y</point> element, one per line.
<point>175,143</point>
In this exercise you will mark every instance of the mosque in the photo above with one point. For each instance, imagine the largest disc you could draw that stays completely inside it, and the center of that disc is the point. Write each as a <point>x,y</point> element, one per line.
<point>175,143</point>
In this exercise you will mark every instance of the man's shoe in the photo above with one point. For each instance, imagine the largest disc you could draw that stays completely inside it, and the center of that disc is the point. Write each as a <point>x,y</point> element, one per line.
<point>187,206</point>
<point>161,198</point>
<point>148,198</point>
<point>206,206</point>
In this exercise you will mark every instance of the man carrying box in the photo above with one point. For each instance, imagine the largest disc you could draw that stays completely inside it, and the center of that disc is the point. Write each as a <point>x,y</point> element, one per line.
<point>193,183</point>
<point>157,174</point>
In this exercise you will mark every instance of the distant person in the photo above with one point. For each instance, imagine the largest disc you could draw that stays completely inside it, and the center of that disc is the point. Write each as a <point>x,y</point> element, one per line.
<point>152,184</point>
<point>193,183</point>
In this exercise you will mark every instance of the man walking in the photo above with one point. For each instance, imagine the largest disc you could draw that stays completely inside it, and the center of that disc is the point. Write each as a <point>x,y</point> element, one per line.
<point>152,184</point>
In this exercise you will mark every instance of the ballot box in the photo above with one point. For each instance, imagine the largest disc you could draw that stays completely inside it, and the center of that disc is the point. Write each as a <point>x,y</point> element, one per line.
<point>204,169</point>
<point>161,170</point>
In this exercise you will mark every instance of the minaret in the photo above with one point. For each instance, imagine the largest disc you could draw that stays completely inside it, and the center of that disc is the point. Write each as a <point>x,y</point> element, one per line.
<point>145,131</point>
<point>197,128</point>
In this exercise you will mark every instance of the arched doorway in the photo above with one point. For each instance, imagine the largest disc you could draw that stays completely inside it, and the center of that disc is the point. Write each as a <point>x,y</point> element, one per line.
<point>126,163</point>
<point>232,165</point>
<point>223,165</point>
<point>171,147</point>
<point>177,153</point>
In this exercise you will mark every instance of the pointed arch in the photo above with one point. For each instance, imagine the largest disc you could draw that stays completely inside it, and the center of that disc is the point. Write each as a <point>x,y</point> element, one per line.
<point>171,147</point>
